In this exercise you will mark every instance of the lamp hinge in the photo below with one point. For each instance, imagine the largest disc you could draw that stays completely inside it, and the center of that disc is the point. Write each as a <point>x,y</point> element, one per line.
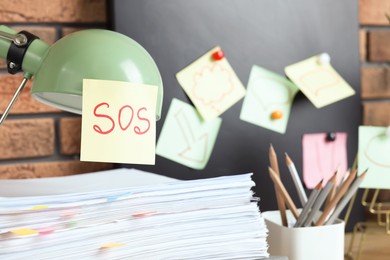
<point>17,50</point>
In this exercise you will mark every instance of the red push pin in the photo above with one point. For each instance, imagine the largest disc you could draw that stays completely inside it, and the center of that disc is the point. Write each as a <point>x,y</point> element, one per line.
<point>218,55</point>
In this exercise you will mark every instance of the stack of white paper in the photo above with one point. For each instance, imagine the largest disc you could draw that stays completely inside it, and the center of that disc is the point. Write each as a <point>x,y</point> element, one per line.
<point>114,215</point>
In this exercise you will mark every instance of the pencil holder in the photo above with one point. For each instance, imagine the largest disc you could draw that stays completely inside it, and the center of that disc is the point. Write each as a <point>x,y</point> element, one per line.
<point>304,243</point>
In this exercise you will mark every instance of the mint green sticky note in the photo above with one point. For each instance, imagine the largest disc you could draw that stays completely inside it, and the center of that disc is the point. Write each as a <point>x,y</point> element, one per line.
<point>374,155</point>
<point>185,138</point>
<point>268,92</point>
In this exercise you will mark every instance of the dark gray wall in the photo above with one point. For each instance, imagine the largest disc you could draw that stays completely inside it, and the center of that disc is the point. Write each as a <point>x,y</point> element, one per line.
<point>268,33</point>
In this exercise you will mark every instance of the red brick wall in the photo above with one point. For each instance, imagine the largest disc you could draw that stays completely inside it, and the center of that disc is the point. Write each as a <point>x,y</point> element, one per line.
<point>375,69</point>
<point>37,140</point>
<point>375,56</point>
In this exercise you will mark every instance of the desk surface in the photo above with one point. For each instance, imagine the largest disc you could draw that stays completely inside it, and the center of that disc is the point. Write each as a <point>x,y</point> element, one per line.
<point>374,246</point>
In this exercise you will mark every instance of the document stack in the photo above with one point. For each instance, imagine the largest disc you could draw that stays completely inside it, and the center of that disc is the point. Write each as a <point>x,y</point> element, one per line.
<point>131,214</point>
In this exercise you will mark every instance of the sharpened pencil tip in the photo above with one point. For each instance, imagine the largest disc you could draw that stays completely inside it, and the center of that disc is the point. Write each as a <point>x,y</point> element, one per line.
<point>333,178</point>
<point>288,159</point>
<point>272,150</point>
<point>363,173</point>
<point>319,185</point>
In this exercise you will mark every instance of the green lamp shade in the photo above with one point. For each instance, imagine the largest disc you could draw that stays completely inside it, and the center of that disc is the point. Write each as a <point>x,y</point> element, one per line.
<point>92,54</point>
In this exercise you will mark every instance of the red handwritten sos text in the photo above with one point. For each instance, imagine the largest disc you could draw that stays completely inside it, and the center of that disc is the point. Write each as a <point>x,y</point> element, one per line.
<point>125,119</point>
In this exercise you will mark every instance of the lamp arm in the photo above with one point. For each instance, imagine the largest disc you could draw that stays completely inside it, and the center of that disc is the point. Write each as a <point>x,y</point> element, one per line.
<point>18,39</point>
<point>26,77</point>
<point>16,50</point>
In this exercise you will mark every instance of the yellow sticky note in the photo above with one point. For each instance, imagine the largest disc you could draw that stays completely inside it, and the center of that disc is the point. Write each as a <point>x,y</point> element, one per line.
<point>319,81</point>
<point>111,245</point>
<point>38,207</point>
<point>212,85</point>
<point>118,122</point>
<point>24,232</point>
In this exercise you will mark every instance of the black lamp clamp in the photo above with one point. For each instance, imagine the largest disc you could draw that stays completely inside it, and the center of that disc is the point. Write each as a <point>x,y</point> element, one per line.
<point>19,45</point>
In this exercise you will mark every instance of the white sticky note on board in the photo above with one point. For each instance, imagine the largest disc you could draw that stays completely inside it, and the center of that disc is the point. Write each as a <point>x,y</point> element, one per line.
<point>118,122</point>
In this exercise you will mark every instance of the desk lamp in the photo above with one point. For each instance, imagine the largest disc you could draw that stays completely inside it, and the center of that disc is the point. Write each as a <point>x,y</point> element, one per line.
<point>57,71</point>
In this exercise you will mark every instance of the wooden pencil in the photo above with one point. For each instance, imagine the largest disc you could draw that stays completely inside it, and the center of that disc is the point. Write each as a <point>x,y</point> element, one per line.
<point>279,198</point>
<point>345,176</point>
<point>319,201</point>
<point>339,194</point>
<point>348,195</point>
<point>333,190</point>
<point>307,207</point>
<point>283,192</point>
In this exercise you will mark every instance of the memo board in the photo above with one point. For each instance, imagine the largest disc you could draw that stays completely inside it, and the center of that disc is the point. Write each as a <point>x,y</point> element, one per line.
<point>270,34</point>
